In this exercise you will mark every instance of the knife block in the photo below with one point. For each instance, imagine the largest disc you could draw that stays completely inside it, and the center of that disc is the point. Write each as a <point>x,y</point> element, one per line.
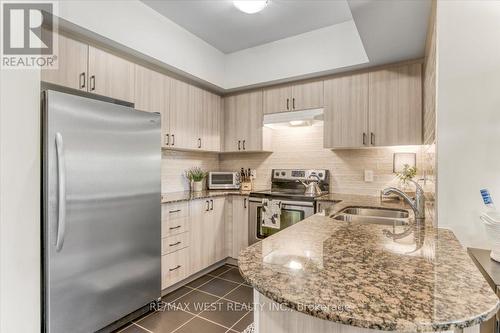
<point>246,186</point>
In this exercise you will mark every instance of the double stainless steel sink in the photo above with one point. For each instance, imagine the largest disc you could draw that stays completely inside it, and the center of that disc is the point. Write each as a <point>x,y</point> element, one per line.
<point>372,215</point>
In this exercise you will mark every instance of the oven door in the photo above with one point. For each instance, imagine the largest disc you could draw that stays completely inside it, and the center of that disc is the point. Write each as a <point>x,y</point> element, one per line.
<point>291,213</point>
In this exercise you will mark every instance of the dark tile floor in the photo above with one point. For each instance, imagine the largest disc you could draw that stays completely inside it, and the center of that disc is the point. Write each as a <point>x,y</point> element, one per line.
<point>217,302</point>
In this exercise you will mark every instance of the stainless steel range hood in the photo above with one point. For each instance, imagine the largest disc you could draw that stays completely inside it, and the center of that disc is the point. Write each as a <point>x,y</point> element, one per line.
<point>294,118</point>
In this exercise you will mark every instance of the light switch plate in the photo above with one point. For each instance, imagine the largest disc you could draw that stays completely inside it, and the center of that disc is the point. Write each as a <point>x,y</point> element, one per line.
<point>368,176</point>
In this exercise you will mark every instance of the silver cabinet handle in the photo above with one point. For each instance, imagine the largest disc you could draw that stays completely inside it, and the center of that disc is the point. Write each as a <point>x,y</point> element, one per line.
<point>211,204</point>
<point>174,244</point>
<point>245,203</point>
<point>82,80</point>
<point>372,138</point>
<point>176,267</point>
<point>293,103</point>
<point>364,139</point>
<point>61,192</point>
<point>174,211</point>
<point>199,142</point>
<point>92,83</point>
<point>167,139</point>
<point>239,144</point>
<point>288,104</point>
<point>173,139</point>
<point>176,227</point>
<point>208,206</point>
<point>244,145</point>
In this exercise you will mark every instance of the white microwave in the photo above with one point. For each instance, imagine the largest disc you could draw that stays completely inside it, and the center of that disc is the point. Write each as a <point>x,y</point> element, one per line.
<point>221,180</point>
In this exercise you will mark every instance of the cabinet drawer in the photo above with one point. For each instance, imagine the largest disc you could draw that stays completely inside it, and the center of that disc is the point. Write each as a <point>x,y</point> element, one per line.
<point>174,267</point>
<point>174,243</point>
<point>175,210</point>
<point>174,226</point>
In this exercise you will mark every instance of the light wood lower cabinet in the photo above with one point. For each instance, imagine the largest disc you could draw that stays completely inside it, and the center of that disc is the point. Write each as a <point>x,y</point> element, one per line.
<point>207,233</point>
<point>239,225</point>
<point>210,230</point>
<point>174,267</point>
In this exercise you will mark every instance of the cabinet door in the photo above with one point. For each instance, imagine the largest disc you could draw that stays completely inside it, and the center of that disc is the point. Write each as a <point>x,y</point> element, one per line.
<point>181,130</point>
<point>307,95</point>
<point>72,65</point>
<point>277,99</point>
<point>210,122</point>
<point>110,75</point>
<point>249,123</point>
<point>149,90</point>
<point>199,216</point>
<point>240,225</point>
<point>195,118</point>
<point>231,121</point>
<point>218,228</point>
<point>346,112</point>
<point>395,106</point>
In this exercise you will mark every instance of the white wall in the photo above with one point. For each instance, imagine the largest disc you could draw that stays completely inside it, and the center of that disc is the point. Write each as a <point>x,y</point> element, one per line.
<point>137,26</point>
<point>468,114</point>
<point>320,50</point>
<point>19,201</point>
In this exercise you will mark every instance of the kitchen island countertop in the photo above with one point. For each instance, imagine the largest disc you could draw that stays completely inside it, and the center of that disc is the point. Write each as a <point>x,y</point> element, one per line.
<point>393,278</point>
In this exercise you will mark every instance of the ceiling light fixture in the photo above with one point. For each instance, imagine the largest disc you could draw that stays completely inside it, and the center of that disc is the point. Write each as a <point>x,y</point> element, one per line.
<point>250,6</point>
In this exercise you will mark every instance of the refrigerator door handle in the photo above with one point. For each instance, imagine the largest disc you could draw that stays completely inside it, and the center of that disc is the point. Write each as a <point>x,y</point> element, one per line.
<point>61,192</point>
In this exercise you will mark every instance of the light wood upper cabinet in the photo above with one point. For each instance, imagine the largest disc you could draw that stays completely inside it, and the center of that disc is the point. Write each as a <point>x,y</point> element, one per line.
<point>395,106</point>
<point>152,94</point>
<point>230,120</point>
<point>250,122</point>
<point>277,99</point>
<point>243,122</point>
<point>72,65</point>
<point>308,95</point>
<point>379,108</point>
<point>182,132</point>
<point>346,112</point>
<point>210,122</point>
<point>110,75</point>
<point>149,90</point>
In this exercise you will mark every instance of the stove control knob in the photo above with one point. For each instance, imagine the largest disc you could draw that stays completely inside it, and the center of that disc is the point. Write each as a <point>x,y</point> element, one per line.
<point>277,174</point>
<point>283,173</point>
<point>320,175</point>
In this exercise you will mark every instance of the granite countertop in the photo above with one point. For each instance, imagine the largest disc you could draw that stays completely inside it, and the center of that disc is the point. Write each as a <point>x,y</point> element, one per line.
<point>188,195</point>
<point>361,275</point>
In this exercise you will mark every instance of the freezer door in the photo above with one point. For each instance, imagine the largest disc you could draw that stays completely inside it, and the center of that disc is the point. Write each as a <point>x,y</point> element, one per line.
<point>101,208</point>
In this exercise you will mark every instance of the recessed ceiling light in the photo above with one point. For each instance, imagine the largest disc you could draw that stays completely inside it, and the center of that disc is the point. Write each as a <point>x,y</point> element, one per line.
<point>250,6</point>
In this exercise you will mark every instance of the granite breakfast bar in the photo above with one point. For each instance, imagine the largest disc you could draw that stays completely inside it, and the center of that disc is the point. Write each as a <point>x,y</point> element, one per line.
<point>322,275</point>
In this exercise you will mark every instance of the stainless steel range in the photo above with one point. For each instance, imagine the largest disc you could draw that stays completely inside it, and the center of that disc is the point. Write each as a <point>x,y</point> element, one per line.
<point>289,190</point>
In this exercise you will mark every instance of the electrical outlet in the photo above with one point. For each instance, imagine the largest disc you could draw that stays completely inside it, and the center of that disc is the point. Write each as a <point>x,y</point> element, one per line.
<point>368,176</point>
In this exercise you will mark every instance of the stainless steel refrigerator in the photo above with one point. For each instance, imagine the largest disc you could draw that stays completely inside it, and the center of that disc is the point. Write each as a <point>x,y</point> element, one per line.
<point>101,212</point>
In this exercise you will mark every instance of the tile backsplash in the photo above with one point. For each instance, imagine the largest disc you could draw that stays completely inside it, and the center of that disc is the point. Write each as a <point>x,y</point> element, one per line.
<point>294,147</point>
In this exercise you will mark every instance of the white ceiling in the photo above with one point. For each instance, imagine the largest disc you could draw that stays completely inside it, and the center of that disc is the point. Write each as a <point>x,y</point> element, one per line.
<point>226,28</point>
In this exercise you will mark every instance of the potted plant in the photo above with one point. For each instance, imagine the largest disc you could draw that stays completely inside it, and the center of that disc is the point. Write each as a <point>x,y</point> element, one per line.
<point>407,174</point>
<point>196,176</point>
